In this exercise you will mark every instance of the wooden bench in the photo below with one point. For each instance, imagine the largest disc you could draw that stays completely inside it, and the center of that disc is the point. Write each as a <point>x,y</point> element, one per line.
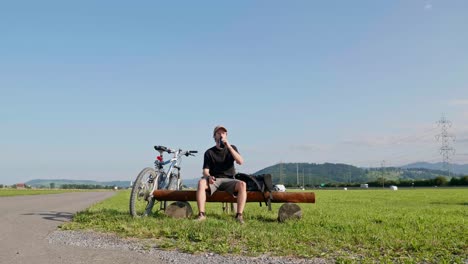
<point>182,209</point>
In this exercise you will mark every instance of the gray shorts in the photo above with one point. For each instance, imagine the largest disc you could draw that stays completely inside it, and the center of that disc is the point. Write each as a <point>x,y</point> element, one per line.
<point>223,184</point>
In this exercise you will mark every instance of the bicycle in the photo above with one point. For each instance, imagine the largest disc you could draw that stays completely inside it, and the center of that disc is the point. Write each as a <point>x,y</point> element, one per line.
<point>149,180</point>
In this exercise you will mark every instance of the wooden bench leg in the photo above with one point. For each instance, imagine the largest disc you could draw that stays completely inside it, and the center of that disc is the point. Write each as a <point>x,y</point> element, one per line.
<point>179,210</point>
<point>229,207</point>
<point>234,208</point>
<point>289,211</point>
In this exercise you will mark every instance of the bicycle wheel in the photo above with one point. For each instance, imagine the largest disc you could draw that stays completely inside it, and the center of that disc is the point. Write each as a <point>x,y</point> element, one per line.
<point>141,202</point>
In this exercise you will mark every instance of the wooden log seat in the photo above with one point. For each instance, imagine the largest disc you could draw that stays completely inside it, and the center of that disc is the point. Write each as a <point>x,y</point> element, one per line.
<point>220,196</point>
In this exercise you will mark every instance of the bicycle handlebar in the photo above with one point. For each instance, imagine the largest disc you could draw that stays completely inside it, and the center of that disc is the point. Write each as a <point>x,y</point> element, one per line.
<point>190,153</point>
<point>168,150</point>
<point>160,148</point>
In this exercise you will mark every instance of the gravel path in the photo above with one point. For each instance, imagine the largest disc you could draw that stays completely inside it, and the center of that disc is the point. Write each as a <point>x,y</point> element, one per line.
<point>94,240</point>
<point>28,234</point>
<point>27,221</point>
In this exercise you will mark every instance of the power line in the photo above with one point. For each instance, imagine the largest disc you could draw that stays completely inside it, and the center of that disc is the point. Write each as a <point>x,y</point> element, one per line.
<point>297,173</point>
<point>382,167</point>
<point>281,172</point>
<point>404,141</point>
<point>413,138</point>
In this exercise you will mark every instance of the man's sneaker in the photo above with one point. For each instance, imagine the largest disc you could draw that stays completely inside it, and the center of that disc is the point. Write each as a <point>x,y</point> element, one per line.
<point>240,219</point>
<point>201,217</point>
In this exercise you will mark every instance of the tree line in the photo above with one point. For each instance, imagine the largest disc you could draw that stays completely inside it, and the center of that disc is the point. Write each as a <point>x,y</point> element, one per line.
<point>437,181</point>
<point>85,186</point>
<point>63,186</point>
<point>330,174</point>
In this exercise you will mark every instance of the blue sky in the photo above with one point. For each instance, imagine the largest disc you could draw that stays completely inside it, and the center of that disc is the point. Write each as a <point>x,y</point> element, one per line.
<point>88,87</point>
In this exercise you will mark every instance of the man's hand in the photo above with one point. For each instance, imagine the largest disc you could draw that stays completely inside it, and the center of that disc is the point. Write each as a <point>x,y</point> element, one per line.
<point>225,141</point>
<point>222,141</point>
<point>211,179</point>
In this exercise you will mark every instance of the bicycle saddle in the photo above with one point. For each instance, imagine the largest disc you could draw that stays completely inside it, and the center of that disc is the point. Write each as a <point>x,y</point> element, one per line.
<point>160,148</point>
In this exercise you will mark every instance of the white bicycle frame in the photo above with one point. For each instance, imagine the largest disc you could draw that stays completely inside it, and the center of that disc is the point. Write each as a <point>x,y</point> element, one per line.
<point>174,164</point>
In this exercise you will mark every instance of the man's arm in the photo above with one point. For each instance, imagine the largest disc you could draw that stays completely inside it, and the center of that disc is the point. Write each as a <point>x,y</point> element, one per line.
<point>206,164</point>
<point>237,157</point>
<point>206,169</point>
<point>206,174</point>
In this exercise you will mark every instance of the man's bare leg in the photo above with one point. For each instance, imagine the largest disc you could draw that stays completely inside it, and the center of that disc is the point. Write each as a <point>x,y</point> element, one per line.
<point>241,189</point>
<point>201,198</point>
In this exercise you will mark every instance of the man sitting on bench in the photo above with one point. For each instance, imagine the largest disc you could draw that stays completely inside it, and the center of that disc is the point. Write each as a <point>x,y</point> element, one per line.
<point>218,174</point>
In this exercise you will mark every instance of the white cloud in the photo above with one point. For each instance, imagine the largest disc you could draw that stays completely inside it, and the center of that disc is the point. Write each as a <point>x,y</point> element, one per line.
<point>428,6</point>
<point>367,142</point>
<point>422,137</point>
<point>463,139</point>
<point>305,147</point>
<point>459,102</point>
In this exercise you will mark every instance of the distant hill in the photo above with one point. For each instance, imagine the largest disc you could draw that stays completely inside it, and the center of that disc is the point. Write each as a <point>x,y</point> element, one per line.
<point>314,174</point>
<point>191,183</point>
<point>311,174</point>
<point>59,182</point>
<point>455,168</point>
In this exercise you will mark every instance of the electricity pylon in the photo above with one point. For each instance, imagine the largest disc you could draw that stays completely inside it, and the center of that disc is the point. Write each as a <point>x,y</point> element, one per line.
<point>445,138</point>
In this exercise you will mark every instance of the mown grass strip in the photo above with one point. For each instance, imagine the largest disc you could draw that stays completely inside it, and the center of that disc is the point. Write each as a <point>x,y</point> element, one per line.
<point>405,226</point>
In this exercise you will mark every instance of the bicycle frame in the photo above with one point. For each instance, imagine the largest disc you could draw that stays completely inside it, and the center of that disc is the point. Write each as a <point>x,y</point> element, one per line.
<point>174,165</point>
<point>149,180</point>
<point>159,167</point>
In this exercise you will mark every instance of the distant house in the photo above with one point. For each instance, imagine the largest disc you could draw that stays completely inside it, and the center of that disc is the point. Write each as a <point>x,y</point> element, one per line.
<point>20,186</point>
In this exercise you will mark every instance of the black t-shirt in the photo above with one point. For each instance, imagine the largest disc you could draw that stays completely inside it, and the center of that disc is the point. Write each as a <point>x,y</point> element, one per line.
<point>220,162</point>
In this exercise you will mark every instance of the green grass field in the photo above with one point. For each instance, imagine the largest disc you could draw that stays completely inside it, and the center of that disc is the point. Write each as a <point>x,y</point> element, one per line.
<point>16,192</point>
<point>404,226</point>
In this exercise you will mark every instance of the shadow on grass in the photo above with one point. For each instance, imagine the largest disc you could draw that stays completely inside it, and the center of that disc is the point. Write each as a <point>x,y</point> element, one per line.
<point>446,203</point>
<point>106,211</point>
<point>159,215</point>
<point>259,218</point>
<point>262,218</point>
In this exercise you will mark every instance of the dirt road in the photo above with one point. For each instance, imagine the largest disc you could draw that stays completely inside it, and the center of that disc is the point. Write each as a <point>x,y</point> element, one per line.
<point>26,221</point>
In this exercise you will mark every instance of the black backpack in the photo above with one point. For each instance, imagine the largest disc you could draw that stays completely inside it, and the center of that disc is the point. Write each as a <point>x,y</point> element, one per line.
<point>258,183</point>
